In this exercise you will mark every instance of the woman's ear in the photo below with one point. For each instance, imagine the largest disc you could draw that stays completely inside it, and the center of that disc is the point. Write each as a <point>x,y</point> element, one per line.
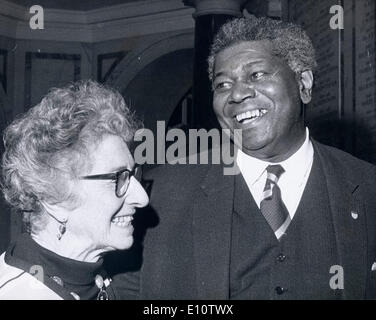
<point>305,86</point>
<point>56,211</point>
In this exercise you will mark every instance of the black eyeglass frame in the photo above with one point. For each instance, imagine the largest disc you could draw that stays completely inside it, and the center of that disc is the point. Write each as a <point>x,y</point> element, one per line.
<point>115,177</point>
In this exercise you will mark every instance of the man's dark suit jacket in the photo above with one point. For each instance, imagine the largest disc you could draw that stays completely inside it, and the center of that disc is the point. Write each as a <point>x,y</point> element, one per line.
<point>186,256</point>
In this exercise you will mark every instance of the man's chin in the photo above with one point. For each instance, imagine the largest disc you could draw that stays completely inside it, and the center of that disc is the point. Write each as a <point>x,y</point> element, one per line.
<point>256,150</point>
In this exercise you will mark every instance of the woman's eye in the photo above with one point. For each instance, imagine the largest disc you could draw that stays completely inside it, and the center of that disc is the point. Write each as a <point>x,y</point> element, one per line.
<point>257,75</point>
<point>110,182</point>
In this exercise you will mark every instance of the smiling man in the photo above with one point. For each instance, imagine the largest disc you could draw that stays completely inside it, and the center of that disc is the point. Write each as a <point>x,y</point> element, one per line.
<point>299,220</point>
<point>258,93</point>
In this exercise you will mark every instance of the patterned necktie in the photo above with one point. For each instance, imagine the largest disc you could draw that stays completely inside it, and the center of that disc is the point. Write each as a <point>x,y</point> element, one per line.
<point>272,206</point>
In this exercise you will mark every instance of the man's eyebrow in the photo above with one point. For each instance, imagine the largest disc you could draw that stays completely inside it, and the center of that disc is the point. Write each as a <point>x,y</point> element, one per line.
<point>218,74</point>
<point>248,65</point>
<point>253,62</point>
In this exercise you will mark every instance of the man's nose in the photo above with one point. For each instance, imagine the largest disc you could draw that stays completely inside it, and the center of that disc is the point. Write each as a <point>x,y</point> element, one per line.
<point>136,195</point>
<point>241,91</point>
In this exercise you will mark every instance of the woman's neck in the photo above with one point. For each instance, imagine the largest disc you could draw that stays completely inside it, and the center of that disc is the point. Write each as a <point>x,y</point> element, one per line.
<point>68,246</point>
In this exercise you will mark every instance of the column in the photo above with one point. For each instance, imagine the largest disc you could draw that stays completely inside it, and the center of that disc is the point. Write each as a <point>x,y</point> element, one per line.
<point>209,16</point>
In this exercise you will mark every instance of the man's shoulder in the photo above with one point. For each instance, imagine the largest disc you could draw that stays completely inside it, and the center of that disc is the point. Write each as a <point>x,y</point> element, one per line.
<point>178,171</point>
<point>345,161</point>
<point>179,181</point>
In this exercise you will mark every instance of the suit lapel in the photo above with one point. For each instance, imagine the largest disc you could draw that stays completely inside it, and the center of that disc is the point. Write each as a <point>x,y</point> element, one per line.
<point>212,215</point>
<point>349,223</point>
<point>244,203</point>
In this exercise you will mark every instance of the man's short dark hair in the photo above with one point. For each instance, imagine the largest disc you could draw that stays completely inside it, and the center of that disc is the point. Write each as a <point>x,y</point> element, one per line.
<point>289,41</point>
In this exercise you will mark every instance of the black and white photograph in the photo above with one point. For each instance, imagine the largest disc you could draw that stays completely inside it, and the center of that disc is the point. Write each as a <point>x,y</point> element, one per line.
<point>188,150</point>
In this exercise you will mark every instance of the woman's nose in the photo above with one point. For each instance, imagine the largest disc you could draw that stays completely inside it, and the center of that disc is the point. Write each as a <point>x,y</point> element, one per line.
<point>136,194</point>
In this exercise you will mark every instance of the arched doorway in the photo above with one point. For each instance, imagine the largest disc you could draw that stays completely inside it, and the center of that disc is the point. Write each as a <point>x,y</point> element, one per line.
<point>157,89</point>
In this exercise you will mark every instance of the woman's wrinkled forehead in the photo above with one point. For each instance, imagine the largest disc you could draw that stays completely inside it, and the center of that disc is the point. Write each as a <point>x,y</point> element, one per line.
<point>110,154</point>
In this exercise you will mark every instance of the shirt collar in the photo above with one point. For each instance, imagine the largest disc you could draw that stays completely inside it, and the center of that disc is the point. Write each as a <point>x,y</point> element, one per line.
<point>253,168</point>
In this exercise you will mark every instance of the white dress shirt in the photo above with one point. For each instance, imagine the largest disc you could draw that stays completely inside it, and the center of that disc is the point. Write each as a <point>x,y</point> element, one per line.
<point>292,182</point>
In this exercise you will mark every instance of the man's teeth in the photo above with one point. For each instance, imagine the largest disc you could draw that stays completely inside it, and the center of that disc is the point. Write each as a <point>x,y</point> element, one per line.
<point>123,221</point>
<point>250,115</point>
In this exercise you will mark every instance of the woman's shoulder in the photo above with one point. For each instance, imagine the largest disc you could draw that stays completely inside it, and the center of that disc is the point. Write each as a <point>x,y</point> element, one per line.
<point>17,284</point>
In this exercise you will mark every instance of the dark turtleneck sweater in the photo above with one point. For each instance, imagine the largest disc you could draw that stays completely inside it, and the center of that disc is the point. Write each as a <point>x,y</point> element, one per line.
<point>60,274</point>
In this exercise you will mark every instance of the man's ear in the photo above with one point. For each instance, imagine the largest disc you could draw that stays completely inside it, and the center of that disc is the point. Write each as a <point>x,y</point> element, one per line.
<point>305,86</point>
<point>56,211</point>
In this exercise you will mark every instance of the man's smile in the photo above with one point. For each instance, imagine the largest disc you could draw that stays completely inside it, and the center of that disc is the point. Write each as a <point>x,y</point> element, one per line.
<point>250,116</point>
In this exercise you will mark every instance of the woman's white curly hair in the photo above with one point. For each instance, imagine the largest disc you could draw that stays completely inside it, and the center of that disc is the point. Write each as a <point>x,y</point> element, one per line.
<point>47,147</point>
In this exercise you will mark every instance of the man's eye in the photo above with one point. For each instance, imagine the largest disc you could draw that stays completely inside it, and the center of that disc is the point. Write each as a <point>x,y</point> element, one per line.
<point>222,85</point>
<point>257,75</point>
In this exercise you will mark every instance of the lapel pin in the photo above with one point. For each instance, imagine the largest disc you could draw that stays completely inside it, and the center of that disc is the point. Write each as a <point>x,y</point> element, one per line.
<point>354,215</point>
<point>373,268</point>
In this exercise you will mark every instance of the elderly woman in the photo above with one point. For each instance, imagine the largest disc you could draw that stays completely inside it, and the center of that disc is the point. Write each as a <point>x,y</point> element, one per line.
<point>67,166</point>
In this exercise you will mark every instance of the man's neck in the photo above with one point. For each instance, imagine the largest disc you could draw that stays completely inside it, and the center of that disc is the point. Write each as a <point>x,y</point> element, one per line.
<point>282,154</point>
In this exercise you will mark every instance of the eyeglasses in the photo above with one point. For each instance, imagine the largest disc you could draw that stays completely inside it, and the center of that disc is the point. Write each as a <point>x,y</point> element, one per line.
<point>122,178</point>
